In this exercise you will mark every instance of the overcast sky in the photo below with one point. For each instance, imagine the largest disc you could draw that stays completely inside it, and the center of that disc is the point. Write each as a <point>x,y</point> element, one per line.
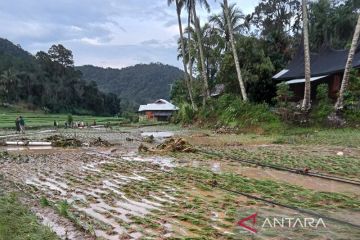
<point>107,33</point>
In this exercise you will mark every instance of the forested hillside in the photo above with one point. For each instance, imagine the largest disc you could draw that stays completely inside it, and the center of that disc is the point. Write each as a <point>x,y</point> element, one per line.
<point>245,55</point>
<point>137,84</point>
<point>50,82</point>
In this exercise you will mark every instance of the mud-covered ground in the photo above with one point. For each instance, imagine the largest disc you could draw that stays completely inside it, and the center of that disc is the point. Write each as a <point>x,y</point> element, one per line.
<point>115,192</point>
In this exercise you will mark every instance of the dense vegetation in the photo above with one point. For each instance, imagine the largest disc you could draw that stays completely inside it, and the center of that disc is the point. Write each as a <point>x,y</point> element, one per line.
<point>49,81</point>
<point>265,41</point>
<point>139,84</point>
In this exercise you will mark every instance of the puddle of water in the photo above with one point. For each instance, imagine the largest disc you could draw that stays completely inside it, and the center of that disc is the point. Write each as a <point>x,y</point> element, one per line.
<point>162,161</point>
<point>61,231</point>
<point>39,148</point>
<point>94,211</point>
<point>46,184</point>
<point>158,134</point>
<point>216,167</point>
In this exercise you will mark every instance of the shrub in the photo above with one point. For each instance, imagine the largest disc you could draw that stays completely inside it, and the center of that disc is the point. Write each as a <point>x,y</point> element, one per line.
<point>232,111</point>
<point>283,94</point>
<point>70,119</point>
<point>186,114</point>
<point>324,107</point>
<point>130,117</point>
<point>352,99</point>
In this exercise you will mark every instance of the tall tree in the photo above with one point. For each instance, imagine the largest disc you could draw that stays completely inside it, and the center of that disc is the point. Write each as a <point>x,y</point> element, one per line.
<point>59,54</point>
<point>236,16</point>
<point>233,47</point>
<point>279,23</point>
<point>9,82</point>
<point>196,20</point>
<point>306,104</point>
<point>345,81</point>
<point>191,61</point>
<point>179,5</point>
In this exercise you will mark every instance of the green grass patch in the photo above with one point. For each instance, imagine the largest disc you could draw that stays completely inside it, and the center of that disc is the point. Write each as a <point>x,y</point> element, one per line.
<point>39,119</point>
<point>18,223</point>
<point>279,192</point>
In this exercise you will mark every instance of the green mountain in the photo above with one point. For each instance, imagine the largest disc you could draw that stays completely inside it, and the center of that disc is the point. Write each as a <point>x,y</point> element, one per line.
<point>50,82</point>
<point>137,84</point>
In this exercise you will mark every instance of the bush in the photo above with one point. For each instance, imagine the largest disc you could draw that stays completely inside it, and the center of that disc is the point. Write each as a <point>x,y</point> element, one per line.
<point>185,114</point>
<point>70,119</point>
<point>130,117</point>
<point>323,108</point>
<point>352,99</point>
<point>231,111</point>
<point>283,94</point>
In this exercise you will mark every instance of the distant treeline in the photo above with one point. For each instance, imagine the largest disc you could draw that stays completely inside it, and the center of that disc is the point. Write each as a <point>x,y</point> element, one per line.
<point>135,85</point>
<point>50,81</point>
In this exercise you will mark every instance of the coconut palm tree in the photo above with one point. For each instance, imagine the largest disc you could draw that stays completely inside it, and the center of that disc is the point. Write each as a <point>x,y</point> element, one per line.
<point>339,105</point>
<point>219,20</point>
<point>212,45</point>
<point>179,6</point>
<point>191,5</point>
<point>229,26</point>
<point>306,105</point>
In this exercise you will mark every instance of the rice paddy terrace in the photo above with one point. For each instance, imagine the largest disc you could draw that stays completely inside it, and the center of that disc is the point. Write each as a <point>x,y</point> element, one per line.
<point>113,191</point>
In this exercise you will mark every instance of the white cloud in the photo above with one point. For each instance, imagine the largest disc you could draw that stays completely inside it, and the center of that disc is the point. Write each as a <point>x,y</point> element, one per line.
<point>114,33</point>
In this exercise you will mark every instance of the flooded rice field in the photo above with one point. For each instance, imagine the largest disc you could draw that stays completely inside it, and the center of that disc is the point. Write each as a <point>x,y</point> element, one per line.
<point>114,192</point>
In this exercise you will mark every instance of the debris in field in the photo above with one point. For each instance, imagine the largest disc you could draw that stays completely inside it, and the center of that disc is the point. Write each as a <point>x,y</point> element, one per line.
<point>303,171</point>
<point>129,139</point>
<point>143,148</point>
<point>149,139</point>
<point>99,142</point>
<point>225,130</point>
<point>170,145</point>
<point>61,141</point>
<point>340,153</point>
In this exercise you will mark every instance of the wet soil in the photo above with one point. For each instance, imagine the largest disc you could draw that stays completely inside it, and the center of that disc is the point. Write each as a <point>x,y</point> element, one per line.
<point>116,193</point>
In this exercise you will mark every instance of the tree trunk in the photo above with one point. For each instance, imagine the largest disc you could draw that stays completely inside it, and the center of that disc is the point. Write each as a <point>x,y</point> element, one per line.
<point>189,50</point>
<point>306,105</point>
<point>187,77</point>
<point>202,57</point>
<point>345,81</point>
<point>233,47</point>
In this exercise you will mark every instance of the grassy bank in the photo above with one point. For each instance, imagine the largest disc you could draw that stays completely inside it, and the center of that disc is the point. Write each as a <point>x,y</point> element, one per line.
<point>18,223</point>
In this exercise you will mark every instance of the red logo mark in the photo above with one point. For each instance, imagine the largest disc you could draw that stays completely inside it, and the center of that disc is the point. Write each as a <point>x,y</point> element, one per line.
<point>252,217</point>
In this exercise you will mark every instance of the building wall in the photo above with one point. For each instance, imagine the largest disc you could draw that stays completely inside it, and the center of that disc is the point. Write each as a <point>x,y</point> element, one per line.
<point>157,115</point>
<point>333,82</point>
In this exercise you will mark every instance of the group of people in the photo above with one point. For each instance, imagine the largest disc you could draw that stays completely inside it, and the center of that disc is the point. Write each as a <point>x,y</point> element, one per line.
<point>76,124</point>
<point>20,124</point>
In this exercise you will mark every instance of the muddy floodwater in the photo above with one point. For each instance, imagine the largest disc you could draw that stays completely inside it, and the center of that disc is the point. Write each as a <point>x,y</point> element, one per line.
<point>115,192</point>
<point>158,134</point>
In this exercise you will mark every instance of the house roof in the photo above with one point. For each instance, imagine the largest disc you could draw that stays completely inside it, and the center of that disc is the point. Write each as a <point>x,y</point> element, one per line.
<point>158,105</point>
<point>327,61</point>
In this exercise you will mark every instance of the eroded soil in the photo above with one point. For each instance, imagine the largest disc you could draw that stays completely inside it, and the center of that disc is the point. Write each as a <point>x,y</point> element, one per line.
<point>116,193</point>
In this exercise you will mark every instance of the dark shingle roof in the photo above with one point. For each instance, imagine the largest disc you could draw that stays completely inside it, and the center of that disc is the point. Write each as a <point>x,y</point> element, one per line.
<point>326,62</point>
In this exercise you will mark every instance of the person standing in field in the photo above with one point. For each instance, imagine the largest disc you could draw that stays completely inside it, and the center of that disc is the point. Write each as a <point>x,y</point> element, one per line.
<point>22,124</point>
<point>17,124</point>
